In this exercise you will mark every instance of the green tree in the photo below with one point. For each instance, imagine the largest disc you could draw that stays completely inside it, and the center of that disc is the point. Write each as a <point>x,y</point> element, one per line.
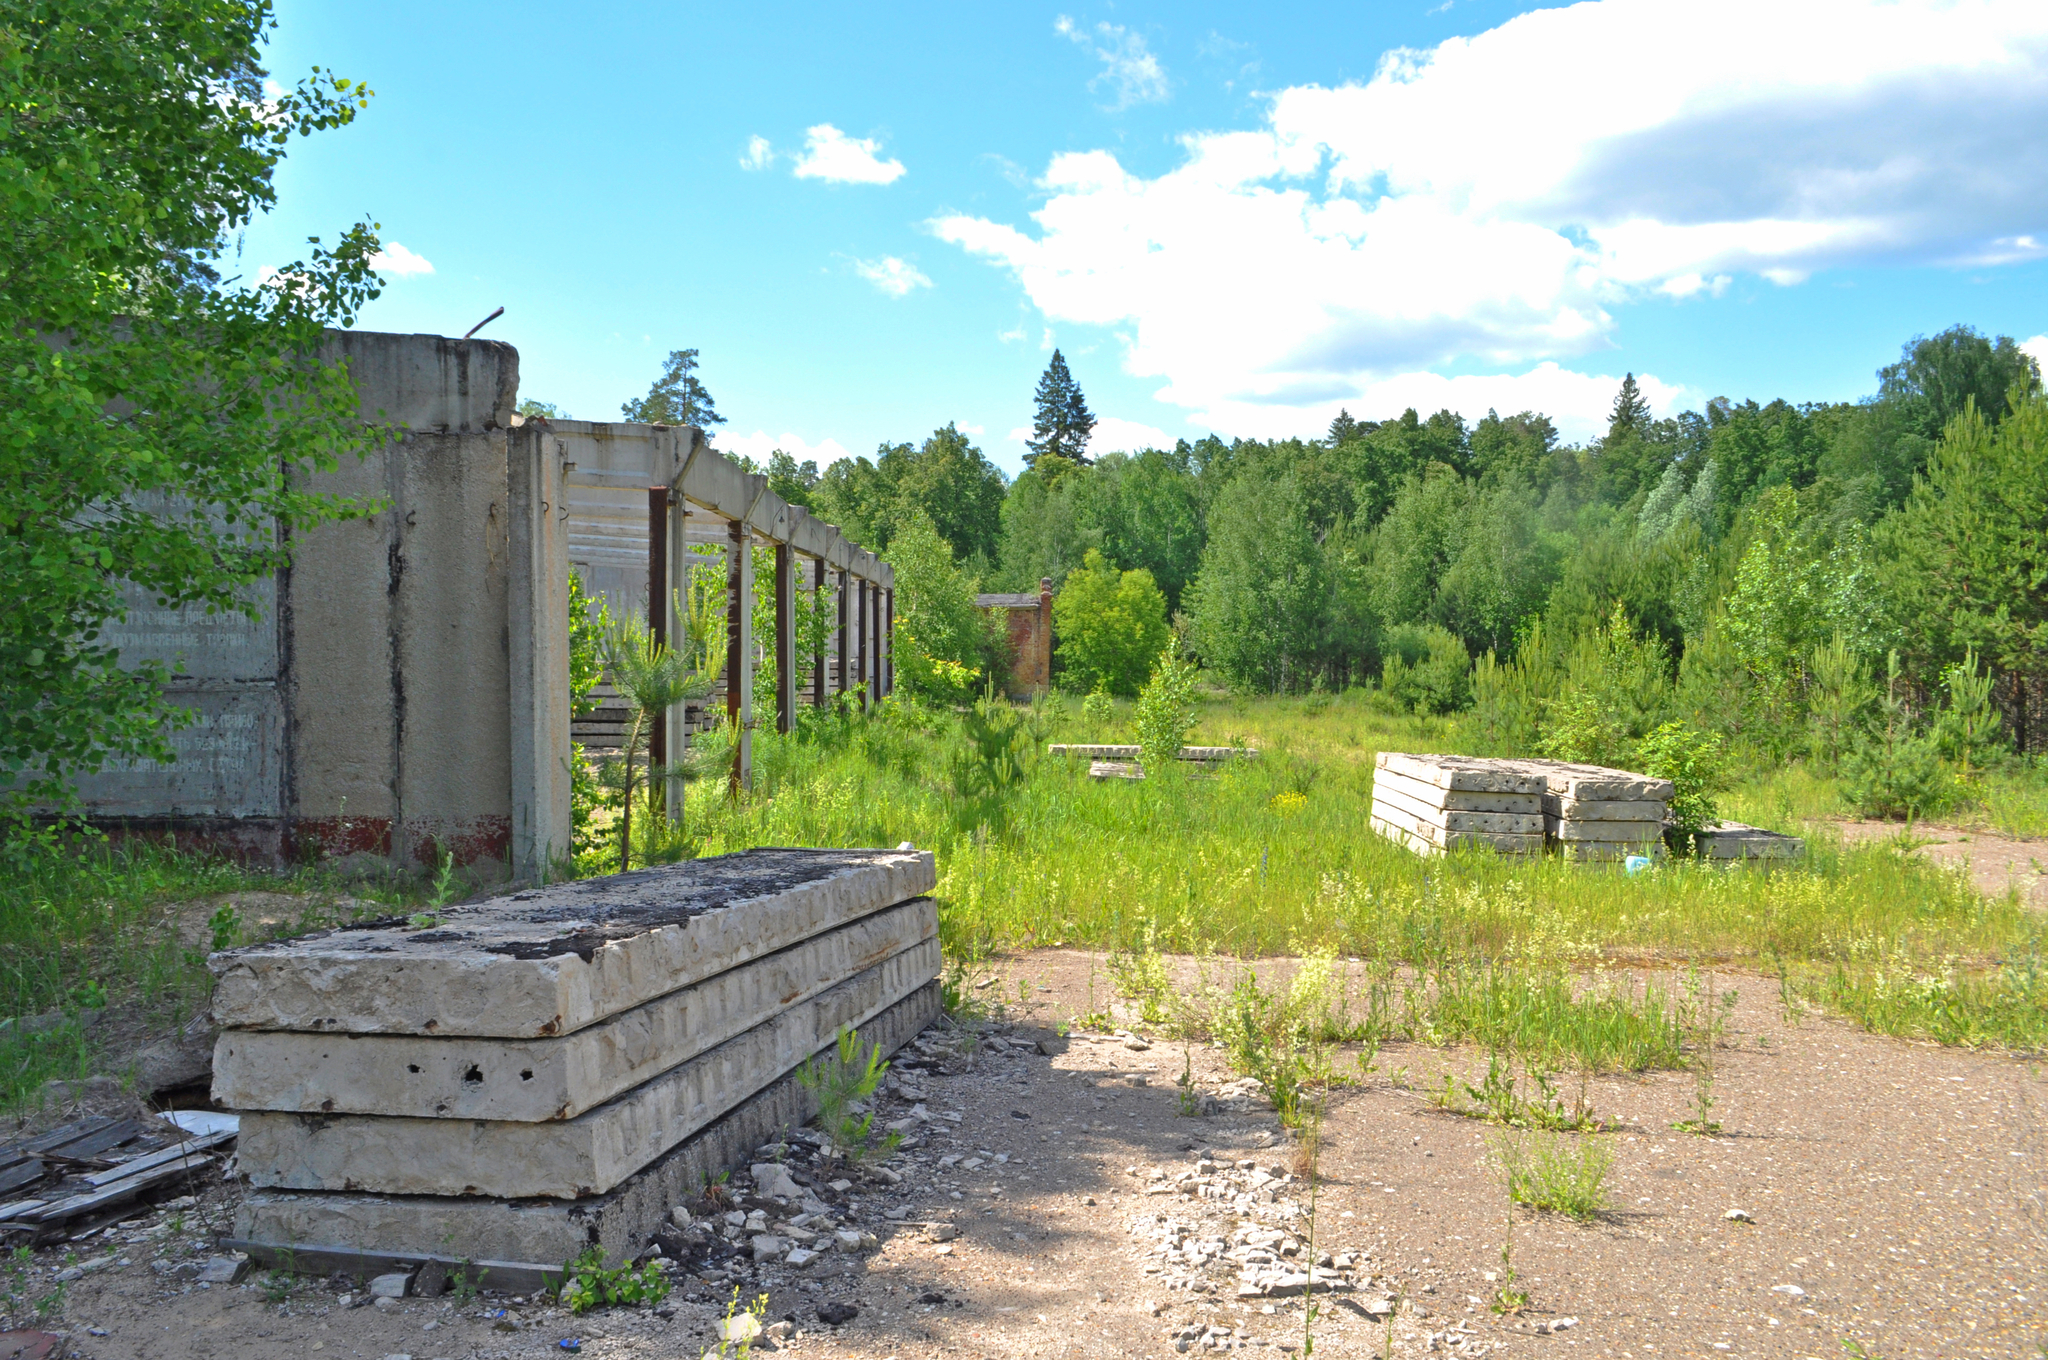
<point>1061,427</point>
<point>795,482</point>
<point>677,397</point>
<point>533,408</point>
<point>1263,595</point>
<point>947,480</point>
<point>155,422</point>
<point>941,637</point>
<point>1111,626</point>
<point>1967,555</point>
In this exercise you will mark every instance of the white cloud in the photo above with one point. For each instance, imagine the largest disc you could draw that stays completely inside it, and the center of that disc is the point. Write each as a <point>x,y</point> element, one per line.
<point>1490,201</point>
<point>2038,347</point>
<point>394,258</point>
<point>1129,69</point>
<point>836,158</point>
<point>976,430</point>
<point>759,154</point>
<point>760,444</point>
<point>1115,435</point>
<point>893,276</point>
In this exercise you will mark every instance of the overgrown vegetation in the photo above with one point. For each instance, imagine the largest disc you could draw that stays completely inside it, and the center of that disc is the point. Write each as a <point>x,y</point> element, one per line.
<point>842,1083</point>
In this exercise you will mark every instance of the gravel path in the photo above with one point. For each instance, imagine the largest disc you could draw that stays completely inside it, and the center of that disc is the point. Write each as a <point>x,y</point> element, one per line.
<point>1060,1204</point>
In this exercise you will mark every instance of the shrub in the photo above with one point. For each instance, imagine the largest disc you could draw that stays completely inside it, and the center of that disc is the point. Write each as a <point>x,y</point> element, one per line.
<point>1098,710</point>
<point>1895,770</point>
<point>1110,626</point>
<point>1693,761</point>
<point>1166,713</point>
<point>1427,669</point>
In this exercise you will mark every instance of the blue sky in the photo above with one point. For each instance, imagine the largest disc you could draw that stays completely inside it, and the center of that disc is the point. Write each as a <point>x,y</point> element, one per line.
<point>874,220</point>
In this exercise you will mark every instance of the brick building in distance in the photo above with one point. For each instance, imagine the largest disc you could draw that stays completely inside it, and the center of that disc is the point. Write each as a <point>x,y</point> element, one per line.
<point>1028,626</point>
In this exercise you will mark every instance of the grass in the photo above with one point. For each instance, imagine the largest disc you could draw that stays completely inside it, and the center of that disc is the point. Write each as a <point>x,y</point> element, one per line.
<point>1267,857</point>
<point>1556,1172</point>
<point>96,928</point>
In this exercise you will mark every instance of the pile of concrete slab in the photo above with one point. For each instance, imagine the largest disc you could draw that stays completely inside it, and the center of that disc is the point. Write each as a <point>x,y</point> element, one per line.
<point>522,1079</point>
<point>1592,812</point>
<point>1433,803</point>
<point>1736,841</point>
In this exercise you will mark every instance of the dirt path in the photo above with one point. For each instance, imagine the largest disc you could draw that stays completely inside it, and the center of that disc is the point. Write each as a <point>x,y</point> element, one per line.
<point>1897,1195</point>
<point>1997,864</point>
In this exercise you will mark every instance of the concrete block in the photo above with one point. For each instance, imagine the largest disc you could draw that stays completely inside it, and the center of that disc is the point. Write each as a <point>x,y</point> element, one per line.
<point>393,1286</point>
<point>1470,773</point>
<point>553,960</point>
<point>1561,830</point>
<point>545,1233</point>
<point>1604,810</point>
<point>1455,800</point>
<point>463,1077</point>
<point>1609,851</point>
<point>572,1158</point>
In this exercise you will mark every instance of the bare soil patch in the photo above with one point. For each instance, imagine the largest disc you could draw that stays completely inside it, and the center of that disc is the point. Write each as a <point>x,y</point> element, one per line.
<point>1996,864</point>
<point>1896,1194</point>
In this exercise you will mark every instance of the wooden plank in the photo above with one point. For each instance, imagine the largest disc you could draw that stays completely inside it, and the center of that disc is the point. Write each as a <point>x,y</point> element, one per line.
<point>105,1138</point>
<point>188,1150</point>
<point>20,1174</point>
<point>120,1190</point>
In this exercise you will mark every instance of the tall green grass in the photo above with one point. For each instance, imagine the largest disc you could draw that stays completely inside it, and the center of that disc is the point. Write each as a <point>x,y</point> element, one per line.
<point>1274,855</point>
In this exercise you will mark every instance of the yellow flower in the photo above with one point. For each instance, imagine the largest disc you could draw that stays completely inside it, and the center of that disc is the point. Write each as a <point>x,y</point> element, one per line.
<point>1289,802</point>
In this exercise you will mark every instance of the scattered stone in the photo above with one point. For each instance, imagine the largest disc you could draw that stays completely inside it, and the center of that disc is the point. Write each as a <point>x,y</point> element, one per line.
<point>224,1270</point>
<point>1790,1291</point>
<point>773,1180</point>
<point>941,1232</point>
<point>768,1247</point>
<point>1738,1216</point>
<point>834,1314</point>
<point>799,1257</point>
<point>679,1216</point>
<point>392,1286</point>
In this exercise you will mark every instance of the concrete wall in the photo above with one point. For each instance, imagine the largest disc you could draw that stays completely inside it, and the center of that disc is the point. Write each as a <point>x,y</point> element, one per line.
<point>398,696</point>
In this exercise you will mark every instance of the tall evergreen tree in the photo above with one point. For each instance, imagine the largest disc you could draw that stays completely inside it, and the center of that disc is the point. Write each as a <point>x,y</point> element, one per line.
<point>1343,429</point>
<point>1063,422</point>
<point>677,396</point>
<point>1631,412</point>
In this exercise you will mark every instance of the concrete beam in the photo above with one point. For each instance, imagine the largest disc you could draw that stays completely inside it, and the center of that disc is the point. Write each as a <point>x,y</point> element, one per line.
<point>531,1080</point>
<point>574,1158</point>
<point>545,1233</point>
<point>551,961</point>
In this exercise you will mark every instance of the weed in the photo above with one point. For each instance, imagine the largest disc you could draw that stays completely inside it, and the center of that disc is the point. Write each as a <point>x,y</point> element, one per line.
<point>1563,1175</point>
<point>20,1298</point>
<point>840,1082</point>
<point>1187,1101</point>
<point>739,1330</point>
<point>1142,977</point>
<point>281,1281</point>
<point>588,1283</point>
<point>225,927</point>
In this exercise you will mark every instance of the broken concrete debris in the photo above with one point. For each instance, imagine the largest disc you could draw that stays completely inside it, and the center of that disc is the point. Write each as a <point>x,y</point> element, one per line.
<point>665,1013</point>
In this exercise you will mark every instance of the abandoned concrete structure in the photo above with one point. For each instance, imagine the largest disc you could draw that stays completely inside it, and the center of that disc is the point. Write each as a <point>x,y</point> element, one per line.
<point>404,692</point>
<point>1027,623</point>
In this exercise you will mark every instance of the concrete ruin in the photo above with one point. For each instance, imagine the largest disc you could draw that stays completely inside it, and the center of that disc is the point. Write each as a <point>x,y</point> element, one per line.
<point>404,691</point>
<point>554,1070</point>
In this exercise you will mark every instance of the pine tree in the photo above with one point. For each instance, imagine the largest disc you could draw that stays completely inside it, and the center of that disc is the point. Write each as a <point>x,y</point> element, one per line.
<point>676,398</point>
<point>1343,429</point>
<point>1631,412</point>
<point>1063,423</point>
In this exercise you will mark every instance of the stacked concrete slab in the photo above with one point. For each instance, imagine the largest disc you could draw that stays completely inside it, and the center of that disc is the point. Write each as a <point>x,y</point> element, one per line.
<point>1596,813</point>
<point>1433,803</point>
<point>536,1074</point>
<point>1736,841</point>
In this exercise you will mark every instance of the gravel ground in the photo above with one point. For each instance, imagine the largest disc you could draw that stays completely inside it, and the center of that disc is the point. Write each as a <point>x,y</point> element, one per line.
<point>1889,1194</point>
<point>1996,864</point>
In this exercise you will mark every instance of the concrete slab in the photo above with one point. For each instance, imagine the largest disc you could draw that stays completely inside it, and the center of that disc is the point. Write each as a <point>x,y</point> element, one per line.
<point>1459,800</point>
<point>1561,830</point>
<point>1566,779</point>
<point>1734,840</point>
<point>571,1158</point>
<point>1609,851</point>
<point>553,960</point>
<point>1396,806</point>
<point>1604,809</point>
<point>1423,842</point>
<point>527,1080</point>
<point>1467,773</point>
<point>1113,752</point>
<point>544,1233</point>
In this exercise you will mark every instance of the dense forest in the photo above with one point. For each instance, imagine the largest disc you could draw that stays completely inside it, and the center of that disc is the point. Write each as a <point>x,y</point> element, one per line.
<point>1768,571</point>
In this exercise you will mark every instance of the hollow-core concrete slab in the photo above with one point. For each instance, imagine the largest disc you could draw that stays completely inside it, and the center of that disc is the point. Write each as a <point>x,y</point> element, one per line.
<point>528,1080</point>
<point>553,960</point>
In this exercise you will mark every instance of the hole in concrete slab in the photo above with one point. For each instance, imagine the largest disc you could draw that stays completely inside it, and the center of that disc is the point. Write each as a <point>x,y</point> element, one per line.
<point>526,1075</point>
<point>413,1068</point>
<point>473,1077</point>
